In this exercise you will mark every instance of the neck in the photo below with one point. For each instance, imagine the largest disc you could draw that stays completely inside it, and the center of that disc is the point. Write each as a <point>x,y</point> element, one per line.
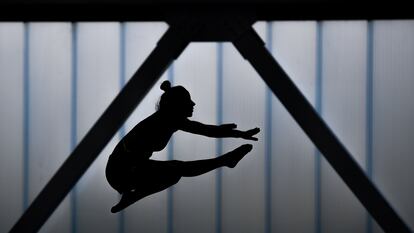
<point>170,117</point>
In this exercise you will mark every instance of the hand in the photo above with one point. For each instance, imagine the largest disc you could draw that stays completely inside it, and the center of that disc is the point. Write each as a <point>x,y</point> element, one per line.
<point>248,135</point>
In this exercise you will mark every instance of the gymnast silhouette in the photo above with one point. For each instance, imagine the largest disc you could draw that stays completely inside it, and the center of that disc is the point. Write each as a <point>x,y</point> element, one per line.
<point>129,169</point>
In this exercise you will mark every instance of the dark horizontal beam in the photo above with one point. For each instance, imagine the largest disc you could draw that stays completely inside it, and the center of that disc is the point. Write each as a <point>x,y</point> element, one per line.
<point>124,10</point>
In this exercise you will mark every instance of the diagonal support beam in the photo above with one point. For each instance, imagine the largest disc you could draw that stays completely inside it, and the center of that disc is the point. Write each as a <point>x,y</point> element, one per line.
<point>252,49</point>
<point>170,46</point>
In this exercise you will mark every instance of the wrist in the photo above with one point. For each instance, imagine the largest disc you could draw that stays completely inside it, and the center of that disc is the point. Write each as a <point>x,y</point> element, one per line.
<point>238,133</point>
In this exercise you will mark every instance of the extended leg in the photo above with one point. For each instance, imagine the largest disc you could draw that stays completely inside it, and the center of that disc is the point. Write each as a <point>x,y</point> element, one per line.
<point>168,48</point>
<point>252,48</point>
<point>154,176</point>
<point>199,167</point>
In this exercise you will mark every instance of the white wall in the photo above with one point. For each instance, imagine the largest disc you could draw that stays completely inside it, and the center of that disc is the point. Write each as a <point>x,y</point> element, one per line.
<point>108,53</point>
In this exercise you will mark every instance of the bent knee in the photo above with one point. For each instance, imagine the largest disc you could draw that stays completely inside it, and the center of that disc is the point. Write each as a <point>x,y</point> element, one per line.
<point>176,178</point>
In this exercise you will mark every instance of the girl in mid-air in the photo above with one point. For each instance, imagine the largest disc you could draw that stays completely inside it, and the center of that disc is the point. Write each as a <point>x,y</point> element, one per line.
<point>132,173</point>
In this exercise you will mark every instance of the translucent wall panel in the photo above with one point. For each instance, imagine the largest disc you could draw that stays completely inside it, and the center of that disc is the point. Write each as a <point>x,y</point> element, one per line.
<point>98,83</point>
<point>343,107</point>
<point>194,197</point>
<point>11,123</point>
<point>49,100</point>
<point>37,92</point>
<point>243,205</point>
<point>292,153</point>
<point>149,214</point>
<point>393,111</point>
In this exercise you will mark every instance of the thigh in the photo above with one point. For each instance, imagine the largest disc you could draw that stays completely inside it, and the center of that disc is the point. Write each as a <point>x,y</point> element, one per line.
<point>115,172</point>
<point>154,176</point>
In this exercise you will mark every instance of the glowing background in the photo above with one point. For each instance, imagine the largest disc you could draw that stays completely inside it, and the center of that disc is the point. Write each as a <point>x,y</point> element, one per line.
<point>57,78</point>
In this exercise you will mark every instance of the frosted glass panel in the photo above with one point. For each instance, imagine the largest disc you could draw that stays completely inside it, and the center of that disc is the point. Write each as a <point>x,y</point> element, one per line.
<point>343,107</point>
<point>11,123</point>
<point>293,155</point>
<point>194,197</point>
<point>98,83</point>
<point>50,106</point>
<point>393,114</point>
<point>243,205</point>
<point>107,54</point>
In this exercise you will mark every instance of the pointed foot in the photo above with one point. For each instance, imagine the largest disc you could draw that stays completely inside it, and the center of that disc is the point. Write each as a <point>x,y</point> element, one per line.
<point>233,157</point>
<point>127,199</point>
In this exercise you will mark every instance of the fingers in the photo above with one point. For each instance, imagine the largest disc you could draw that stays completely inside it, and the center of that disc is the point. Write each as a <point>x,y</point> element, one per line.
<point>249,134</point>
<point>253,131</point>
<point>251,138</point>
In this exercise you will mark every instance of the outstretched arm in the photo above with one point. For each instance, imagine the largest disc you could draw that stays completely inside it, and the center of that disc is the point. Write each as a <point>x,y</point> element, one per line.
<point>219,131</point>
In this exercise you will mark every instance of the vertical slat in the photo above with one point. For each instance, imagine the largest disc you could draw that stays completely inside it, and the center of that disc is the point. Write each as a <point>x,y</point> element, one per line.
<point>122,82</point>
<point>219,142</point>
<point>369,108</point>
<point>98,84</point>
<point>74,118</point>
<point>194,197</point>
<point>50,95</point>
<point>26,113</point>
<point>292,151</point>
<point>393,112</point>
<point>344,109</point>
<point>170,156</point>
<point>149,214</point>
<point>268,131</point>
<point>243,207</point>
<point>11,123</point>
<point>318,109</point>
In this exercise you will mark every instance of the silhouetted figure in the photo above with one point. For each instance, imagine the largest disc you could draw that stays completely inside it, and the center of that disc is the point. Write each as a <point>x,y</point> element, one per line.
<point>129,169</point>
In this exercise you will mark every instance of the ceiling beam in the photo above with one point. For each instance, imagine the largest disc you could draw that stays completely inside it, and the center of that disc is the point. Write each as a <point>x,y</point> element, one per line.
<point>124,10</point>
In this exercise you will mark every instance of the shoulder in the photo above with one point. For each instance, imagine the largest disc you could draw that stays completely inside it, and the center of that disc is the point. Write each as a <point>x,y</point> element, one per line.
<point>191,126</point>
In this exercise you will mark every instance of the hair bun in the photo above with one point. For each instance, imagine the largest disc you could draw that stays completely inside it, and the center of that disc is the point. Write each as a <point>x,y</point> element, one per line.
<point>166,85</point>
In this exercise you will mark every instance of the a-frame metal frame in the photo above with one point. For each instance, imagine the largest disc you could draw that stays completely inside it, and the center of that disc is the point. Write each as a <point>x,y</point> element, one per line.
<point>181,32</point>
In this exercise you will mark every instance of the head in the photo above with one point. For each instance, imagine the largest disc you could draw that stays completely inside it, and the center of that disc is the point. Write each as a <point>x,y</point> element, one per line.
<point>176,101</point>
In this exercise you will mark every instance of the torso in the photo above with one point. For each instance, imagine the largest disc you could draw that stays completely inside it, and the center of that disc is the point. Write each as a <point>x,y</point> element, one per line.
<point>151,134</point>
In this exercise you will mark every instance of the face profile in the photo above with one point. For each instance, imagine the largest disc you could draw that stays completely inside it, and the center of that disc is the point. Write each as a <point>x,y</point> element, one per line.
<point>186,107</point>
<point>176,101</point>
